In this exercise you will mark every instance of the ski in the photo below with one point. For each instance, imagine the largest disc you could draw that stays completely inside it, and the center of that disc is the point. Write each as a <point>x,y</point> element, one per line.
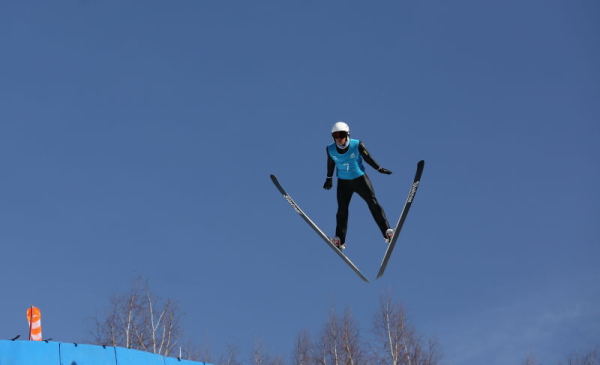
<point>411,196</point>
<point>291,201</point>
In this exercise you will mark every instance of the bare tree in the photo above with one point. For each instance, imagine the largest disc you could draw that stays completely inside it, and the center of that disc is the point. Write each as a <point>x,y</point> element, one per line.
<point>432,354</point>
<point>231,357</point>
<point>351,342</point>
<point>140,320</point>
<point>530,360</point>
<point>398,343</point>
<point>392,333</point>
<point>302,350</point>
<point>591,357</point>
<point>339,343</point>
<point>260,355</point>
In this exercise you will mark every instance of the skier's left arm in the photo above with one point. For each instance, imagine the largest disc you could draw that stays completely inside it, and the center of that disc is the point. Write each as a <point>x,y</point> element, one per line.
<point>367,156</point>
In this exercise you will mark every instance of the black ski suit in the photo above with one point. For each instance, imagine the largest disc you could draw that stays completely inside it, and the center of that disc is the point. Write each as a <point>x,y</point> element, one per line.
<point>360,185</point>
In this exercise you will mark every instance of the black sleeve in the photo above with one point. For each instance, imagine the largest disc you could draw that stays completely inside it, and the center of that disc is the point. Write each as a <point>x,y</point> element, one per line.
<point>367,156</point>
<point>330,164</point>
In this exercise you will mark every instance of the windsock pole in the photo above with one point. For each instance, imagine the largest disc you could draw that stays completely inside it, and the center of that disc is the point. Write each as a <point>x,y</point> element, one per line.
<point>30,321</point>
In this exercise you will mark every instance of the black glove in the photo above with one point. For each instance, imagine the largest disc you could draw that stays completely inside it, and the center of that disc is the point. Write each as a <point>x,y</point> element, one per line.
<point>384,171</point>
<point>328,183</point>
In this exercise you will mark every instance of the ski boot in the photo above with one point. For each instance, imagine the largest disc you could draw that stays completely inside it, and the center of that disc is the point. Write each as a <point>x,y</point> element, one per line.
<point>338,243</point>
<point>389,234</point>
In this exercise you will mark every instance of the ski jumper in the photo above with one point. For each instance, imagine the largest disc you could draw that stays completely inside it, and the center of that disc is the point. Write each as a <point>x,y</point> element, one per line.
<point>348,163</point>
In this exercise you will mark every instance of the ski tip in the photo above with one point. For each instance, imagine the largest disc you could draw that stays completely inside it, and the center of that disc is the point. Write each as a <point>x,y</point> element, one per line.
<point>421,163</point>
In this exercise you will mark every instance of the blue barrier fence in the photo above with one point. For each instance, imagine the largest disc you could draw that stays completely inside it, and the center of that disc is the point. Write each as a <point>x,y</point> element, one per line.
<point>58,353</point>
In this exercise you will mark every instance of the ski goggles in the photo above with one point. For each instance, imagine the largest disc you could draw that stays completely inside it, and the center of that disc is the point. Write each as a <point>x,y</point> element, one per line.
<point>338,135</point>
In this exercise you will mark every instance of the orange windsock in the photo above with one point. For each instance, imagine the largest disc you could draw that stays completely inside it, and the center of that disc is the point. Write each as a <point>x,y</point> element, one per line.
<point>34,317</point>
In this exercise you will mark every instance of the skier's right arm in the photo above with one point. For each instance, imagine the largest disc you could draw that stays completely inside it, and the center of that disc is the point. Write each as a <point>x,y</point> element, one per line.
<point>330,166</point>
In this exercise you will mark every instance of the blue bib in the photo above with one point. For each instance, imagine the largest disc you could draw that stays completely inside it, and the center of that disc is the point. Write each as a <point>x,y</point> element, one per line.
<point>348,165</point>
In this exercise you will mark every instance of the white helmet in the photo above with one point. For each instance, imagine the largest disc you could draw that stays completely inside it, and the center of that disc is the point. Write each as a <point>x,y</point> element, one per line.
<point>340,127</point>
<point>341,130</point>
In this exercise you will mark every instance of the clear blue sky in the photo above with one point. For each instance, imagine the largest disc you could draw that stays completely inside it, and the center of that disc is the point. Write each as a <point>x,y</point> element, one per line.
<point>137,138</point>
